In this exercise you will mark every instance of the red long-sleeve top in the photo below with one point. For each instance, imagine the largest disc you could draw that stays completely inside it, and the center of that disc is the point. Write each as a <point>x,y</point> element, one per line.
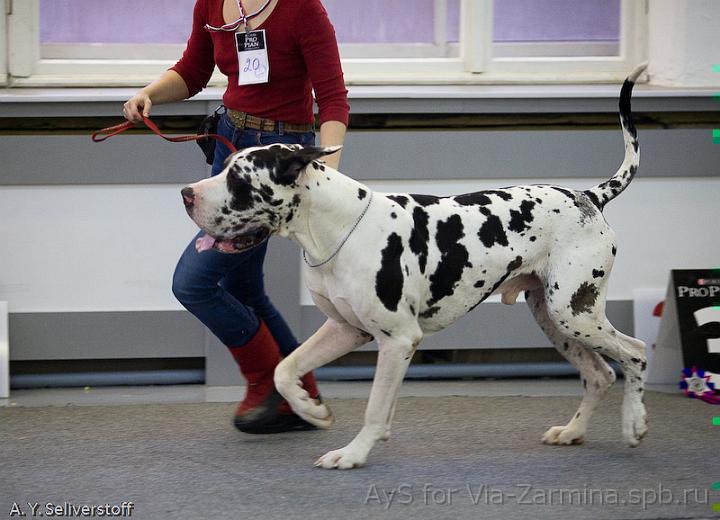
<point>303,55</point>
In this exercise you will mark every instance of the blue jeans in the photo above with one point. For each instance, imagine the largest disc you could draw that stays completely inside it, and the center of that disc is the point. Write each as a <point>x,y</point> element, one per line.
<point>226,291</point>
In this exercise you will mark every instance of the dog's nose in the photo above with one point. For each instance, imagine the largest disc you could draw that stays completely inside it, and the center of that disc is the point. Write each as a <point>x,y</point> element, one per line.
<point>188,196</point>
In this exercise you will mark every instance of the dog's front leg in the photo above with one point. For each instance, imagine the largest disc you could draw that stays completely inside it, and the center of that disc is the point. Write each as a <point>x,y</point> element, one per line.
<point>393,359</point>
<point>331,341</point>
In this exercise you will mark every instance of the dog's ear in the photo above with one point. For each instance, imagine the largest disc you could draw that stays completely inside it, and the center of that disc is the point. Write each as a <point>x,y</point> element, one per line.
<point>292,166</point>
<point>229,159</point>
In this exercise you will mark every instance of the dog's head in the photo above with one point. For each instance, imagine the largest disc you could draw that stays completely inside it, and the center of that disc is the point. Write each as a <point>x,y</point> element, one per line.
<point>254,196</point>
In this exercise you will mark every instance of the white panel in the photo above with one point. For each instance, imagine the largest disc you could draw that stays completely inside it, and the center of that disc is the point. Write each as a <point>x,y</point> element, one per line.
<point>661,224</point>
<point>91,248</point>
<point>4,352</point>
<point>476,32</point>
<point>683,42</point>
<point>23,37</point>
<point>646,324</point>
<point>3,49</point>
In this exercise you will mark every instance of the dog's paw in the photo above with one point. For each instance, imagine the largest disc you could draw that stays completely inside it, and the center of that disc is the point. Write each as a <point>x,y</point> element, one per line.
<point>344,458</point>
<point>314,412</point>
<point>311,410</point>
<point>634,424</point>
<point>563,435</point>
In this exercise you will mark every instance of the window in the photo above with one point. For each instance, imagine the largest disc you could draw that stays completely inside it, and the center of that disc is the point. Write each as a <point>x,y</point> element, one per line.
<point>555,28</point>
<point>102,29</point>
<point>580,38</point>
<point>397,29</point>
<point>106,42</point>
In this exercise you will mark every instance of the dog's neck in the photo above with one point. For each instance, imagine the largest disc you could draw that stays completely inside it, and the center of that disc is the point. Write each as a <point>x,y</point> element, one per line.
<point>327,212</point>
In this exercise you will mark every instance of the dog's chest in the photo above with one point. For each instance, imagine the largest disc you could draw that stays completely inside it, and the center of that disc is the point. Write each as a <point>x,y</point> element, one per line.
<point>332,298</point>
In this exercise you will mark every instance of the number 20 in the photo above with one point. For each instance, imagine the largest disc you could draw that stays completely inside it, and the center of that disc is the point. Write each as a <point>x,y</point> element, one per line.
<point>253,64</point>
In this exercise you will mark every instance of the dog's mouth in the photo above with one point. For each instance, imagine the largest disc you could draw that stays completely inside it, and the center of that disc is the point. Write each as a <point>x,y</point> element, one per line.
<point>237,244</point>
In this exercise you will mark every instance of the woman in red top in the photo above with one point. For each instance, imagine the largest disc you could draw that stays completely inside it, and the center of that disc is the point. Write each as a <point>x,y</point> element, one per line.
<point>274,53</point>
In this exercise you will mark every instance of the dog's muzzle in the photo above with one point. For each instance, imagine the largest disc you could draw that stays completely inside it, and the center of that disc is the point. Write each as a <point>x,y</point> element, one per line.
<point>247,239</point>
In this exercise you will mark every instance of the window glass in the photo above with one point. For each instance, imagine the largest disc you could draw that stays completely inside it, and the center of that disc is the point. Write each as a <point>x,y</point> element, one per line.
<point>407,28</point>
<point>115,21</point>
<point>169,21</point>
<point>556,27</point>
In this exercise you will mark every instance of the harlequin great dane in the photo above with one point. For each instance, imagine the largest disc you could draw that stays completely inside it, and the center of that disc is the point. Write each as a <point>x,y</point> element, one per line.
<point>395,267</point>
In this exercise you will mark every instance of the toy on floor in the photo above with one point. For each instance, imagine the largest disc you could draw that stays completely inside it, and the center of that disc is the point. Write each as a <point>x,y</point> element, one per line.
<point>697,384</point>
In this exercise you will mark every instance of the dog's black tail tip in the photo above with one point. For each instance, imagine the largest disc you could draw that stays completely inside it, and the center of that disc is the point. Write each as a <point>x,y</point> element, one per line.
<point>626,94</point>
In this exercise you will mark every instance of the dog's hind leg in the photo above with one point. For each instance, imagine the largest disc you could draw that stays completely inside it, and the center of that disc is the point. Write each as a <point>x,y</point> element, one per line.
<point>331,341</point>
<point>578,310</point>
<point>393,359</point>
<point>597,376</point>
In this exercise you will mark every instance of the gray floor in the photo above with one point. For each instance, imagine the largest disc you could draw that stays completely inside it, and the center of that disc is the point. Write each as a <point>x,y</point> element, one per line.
<point>334,390</point>
<point>475,454</point>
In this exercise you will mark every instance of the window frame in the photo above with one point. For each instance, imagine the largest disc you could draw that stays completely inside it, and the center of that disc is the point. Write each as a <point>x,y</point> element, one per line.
<point>6,6</point>
<point>362,63</point>
<point>632,51</point>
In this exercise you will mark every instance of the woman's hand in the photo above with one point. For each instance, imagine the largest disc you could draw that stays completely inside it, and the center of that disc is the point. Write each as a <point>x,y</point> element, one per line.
<point>136,107</point>
<point>167,88</point>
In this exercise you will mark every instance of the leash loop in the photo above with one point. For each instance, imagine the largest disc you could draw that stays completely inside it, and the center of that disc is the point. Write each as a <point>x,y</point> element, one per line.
<point>342,243</point>
<point>106,133</point>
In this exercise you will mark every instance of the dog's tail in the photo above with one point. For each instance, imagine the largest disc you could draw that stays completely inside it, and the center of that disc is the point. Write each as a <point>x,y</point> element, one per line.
<point>611,188</point>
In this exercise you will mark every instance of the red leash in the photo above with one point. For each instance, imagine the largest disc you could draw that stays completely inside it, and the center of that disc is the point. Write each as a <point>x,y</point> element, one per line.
<point>106,133</point>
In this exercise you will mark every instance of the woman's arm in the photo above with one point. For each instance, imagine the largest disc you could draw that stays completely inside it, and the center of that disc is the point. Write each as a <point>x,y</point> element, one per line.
<point>332,133</point>
<point>186,78</point>
<point>320,52</point>
<point>167,88</point>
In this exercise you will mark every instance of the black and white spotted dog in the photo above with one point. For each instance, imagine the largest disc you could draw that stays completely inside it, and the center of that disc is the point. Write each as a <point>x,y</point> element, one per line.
<point>398,266</point>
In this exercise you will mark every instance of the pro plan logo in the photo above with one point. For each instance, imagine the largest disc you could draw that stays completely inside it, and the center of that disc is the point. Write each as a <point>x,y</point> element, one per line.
<point>697,293</point>
<point>250,41</point>
<point>705,288</point>
<point>707,318</point>
<point>683,291</point>
<point>708,281</point>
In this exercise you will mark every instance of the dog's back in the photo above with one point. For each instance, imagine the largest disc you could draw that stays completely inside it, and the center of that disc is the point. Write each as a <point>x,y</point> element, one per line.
<point>462,249</point>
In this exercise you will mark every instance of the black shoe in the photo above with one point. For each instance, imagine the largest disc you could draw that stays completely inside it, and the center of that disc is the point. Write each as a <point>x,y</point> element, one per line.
<point>266,418</point>
<point>282,423</point>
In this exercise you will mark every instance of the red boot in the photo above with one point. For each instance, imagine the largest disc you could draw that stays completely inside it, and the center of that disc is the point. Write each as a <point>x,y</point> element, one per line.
<point>261,411</point>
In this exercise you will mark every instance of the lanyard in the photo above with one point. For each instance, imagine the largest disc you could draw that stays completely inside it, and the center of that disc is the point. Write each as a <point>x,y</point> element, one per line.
<point>244,18</point>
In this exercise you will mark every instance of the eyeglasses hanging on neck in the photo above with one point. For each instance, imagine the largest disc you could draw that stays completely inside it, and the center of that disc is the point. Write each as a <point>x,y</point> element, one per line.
<point>244,18</point>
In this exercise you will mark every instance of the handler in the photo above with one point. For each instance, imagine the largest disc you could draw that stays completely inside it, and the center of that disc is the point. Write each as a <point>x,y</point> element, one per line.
<point>274,53</point>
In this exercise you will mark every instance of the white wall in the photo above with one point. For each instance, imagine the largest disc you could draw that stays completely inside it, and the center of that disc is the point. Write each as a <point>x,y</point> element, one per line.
<point>683,42</point>
<point>90,248</point>
<point>114,248</point>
